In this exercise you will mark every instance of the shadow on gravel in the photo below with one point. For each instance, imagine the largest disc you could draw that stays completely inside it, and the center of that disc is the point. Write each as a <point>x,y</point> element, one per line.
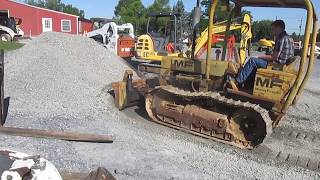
<point>301,118</point>
<point>5,110</point>
<point>134,64</point>
<point>312,92</point>
<point>111,92</point>
<point>140,109</point>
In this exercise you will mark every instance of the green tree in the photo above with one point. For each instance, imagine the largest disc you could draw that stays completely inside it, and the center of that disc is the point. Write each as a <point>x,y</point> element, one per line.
<point>31,2</point>
<point>262,29</point>
<point>82,13</point>
<point>161,24</point>
<point>294,36</point>
<point>159,6</point>
<point>38,3</point>
<point>184,21</point>
<point>72,10</point>
<point>131,11</point>
<point>179,8</point>
<point>56,5</point>
<point>42,3</point>
<point>222,13</point>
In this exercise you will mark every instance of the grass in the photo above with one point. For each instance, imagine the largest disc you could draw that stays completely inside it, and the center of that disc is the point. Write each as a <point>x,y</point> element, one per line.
<point>9,46</point>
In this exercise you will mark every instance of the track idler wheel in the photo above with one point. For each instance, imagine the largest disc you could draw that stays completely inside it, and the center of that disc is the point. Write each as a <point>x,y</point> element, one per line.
<point>248,126</point>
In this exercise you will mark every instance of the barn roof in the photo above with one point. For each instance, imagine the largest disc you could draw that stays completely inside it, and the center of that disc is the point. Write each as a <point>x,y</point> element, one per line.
<point>58,12</point>
<point>85,20</point>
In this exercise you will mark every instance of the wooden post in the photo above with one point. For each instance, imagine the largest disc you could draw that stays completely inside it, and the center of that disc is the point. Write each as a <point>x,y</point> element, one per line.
<point>2,87</point>
<point>68,136</point>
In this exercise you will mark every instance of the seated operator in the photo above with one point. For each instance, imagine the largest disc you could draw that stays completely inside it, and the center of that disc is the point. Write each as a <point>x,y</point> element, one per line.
<point>283,50</point>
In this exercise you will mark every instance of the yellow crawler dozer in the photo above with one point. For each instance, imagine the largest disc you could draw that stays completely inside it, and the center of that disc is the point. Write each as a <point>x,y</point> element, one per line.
<point>193,95</point>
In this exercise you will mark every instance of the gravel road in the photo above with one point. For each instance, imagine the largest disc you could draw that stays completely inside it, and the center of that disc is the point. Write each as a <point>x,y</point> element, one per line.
<point>53,86</point>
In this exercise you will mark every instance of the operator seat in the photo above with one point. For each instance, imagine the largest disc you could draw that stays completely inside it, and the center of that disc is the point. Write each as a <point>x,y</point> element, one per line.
<point>290,65</point>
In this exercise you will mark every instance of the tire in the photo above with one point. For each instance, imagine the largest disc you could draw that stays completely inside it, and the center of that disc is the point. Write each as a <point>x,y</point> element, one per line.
<point>5,37</point>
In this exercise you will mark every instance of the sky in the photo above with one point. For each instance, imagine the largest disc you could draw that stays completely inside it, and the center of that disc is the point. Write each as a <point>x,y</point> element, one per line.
<point>105,8</point>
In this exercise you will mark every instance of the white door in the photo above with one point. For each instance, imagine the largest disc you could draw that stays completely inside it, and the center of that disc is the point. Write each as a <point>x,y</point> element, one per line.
<point>46,24</point>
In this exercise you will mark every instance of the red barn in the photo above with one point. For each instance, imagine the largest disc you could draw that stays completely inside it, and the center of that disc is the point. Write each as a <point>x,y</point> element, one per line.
<point>85,25</point>
<point>36,20</point>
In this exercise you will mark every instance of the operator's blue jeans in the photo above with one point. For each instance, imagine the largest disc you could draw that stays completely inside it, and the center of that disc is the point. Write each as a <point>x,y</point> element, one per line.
<point>252,65</point>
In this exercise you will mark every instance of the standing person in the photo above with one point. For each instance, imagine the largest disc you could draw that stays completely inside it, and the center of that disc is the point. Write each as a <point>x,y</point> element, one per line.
<point>283,50</point>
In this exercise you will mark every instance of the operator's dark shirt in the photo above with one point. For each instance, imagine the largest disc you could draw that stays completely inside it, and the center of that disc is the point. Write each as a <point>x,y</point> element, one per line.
<point>285,46</point>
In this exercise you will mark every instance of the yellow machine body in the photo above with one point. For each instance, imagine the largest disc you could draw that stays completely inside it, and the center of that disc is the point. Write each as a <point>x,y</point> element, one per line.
<point>185,65</point>
<point>272,84</point>
<point>145,49</point>
<point>266,43</point>
<point>221,27</point>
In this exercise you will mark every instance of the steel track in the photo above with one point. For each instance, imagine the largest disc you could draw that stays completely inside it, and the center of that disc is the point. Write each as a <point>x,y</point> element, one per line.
<point>213,96</point>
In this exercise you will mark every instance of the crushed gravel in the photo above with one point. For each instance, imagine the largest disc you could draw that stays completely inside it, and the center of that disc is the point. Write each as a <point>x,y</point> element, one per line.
<point>305,114</point>
<point>59,82</point>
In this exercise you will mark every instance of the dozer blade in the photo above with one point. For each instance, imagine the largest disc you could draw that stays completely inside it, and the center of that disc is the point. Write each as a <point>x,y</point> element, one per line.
<point>127,92</point>
<point>209,115</point>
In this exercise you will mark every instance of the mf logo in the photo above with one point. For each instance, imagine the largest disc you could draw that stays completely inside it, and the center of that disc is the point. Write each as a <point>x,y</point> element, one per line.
<point>181,63</point>
<point>269,82</point>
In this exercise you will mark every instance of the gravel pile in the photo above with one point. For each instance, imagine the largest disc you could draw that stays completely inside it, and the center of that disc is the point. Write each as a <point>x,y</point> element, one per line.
<point>54,82</point>
<point>59,82</point>
<point>58,74</point>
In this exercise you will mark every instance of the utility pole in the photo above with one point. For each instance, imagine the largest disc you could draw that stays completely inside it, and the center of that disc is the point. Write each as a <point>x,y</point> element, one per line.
<point>195,26</point>
<point>300,28</point>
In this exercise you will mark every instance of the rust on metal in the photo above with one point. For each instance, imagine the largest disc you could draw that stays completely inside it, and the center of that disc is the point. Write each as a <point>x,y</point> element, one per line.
<point>98,174</point>
<point>127,91</point>
<point>250,96</point>
<point>68,136</point>
<point>149,68</point>
<point>209,115</point>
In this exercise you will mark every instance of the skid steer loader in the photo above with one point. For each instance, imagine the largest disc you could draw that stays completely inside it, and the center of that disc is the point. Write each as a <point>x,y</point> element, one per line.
<point>119,39</point>
<point>9,27</point>
<point>193,95</point>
